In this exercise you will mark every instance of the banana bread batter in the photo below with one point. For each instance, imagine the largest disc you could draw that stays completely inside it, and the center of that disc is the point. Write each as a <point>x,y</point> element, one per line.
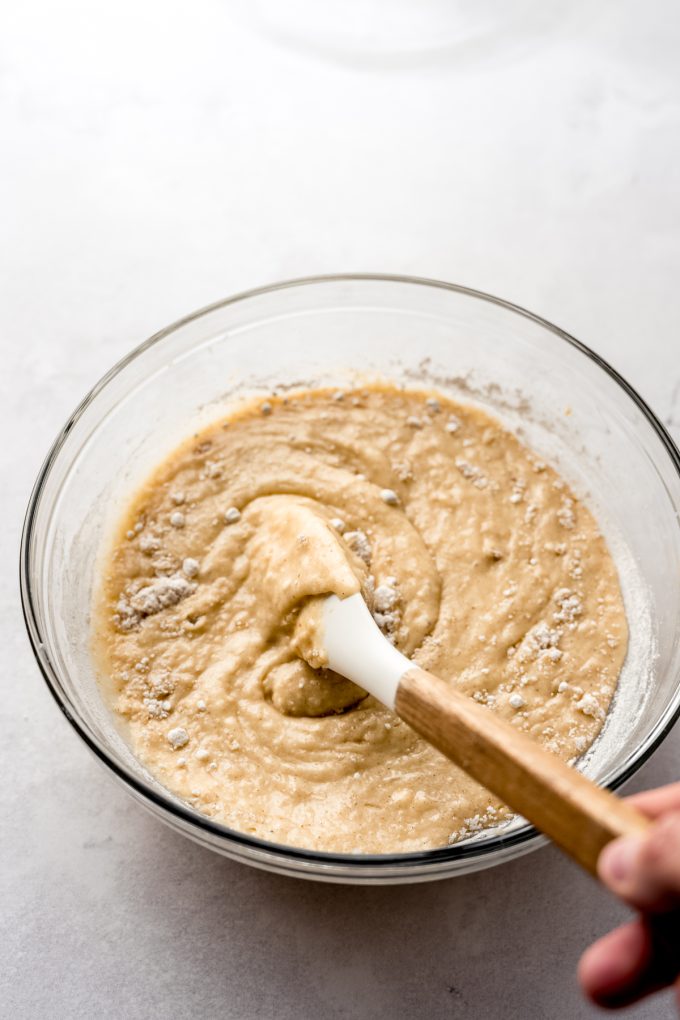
<point>474,556</point>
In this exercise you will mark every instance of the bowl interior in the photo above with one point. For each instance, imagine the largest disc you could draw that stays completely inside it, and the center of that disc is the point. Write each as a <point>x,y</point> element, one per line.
<point>345,332</point>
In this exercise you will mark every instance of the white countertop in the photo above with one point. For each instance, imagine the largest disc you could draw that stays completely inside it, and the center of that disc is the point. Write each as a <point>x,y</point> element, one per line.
<point>159,156</point>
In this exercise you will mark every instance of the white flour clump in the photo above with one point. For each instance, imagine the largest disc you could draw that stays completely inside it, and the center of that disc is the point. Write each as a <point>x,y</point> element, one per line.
<point>155,708</point>
<point>190,566</point>
<point>568,607</point>
<point>160,594</point>
<point>475,824</point>
<point>540,638</point>
<point>590,706</point>
<point>386,612</point>
<point>178,738</point>
<point>472,473</point>
<point>156,700</point>
<point>517,494</point>
<point>565,515</point>
<point>359,544</point>
<point>149,544</point>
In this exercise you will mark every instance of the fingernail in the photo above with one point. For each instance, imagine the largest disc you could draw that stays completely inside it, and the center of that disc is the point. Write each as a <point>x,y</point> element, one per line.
<point>618,858</point>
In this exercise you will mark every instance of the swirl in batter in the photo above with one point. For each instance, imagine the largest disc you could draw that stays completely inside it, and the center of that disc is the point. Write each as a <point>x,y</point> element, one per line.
<point>474,556</point>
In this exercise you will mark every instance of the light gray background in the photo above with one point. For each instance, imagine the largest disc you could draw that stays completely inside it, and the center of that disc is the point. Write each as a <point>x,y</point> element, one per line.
<point>157,156</point>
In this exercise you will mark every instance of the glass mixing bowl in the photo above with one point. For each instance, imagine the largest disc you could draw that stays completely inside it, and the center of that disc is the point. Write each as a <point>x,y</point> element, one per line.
<point>341,331</point>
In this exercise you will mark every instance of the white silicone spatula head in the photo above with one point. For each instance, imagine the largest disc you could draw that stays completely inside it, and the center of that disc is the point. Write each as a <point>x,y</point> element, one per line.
<point>356,648</point>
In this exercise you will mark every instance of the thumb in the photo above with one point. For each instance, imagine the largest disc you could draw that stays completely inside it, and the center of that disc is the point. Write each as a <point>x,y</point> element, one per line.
<point>644,869</point>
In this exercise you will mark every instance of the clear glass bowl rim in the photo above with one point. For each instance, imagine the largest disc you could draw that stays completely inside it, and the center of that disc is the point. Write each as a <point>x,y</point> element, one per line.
<point>522,838</point>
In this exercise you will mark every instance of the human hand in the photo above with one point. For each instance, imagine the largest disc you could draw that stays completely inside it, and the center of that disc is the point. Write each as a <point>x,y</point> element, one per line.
<point>642,956</point>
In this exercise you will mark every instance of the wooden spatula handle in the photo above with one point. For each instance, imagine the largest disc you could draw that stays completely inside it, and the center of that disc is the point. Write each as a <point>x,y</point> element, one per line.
<point>575,813</point>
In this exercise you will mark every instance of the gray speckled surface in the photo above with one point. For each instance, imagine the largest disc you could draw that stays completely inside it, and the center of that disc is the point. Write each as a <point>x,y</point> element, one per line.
<point>159,156</point>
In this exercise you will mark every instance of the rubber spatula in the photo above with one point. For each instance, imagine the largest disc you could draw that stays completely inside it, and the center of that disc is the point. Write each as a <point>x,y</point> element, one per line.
<point>577,815</point>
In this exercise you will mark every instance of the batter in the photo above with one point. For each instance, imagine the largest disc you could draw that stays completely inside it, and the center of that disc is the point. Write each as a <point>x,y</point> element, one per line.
<point>474,556</point>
